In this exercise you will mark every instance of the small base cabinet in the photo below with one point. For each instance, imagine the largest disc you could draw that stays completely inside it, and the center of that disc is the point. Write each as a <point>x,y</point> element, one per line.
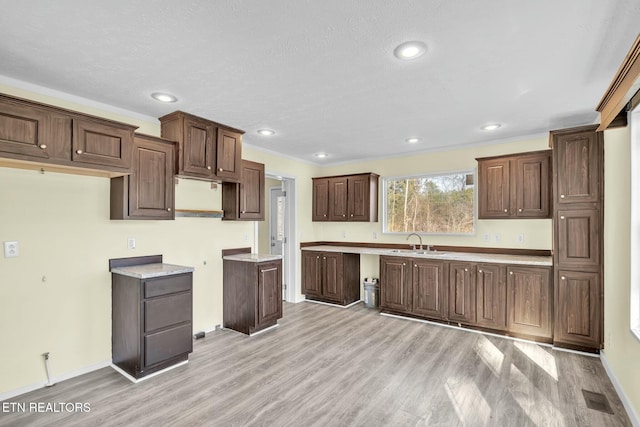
<point>529,301</point>
<point>252,292</point>
<point>151,317</point>
<point>331,277</point>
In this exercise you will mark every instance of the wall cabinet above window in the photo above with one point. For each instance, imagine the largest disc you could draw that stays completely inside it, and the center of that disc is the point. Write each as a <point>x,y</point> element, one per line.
<point>206,150</point>
<point>515,186</point>
<point>346,198</point>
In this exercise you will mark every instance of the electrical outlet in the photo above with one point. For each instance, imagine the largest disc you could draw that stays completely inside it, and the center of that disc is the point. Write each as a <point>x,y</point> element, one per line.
<point>486,238</point>
<point>131,243</point>
<point>375,235</point>
<point>520,238</point>
<point>497,238</point>
<point>344,234</point>
<point>11,249</point>
<point>245,237</point>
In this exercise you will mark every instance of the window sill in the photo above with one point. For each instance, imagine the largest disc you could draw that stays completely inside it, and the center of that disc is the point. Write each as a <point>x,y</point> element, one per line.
<point>636,333</point>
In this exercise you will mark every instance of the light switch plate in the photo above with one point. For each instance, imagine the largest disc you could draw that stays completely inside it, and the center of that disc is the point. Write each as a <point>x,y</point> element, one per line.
<point>131,243</point>
<point>11,249</point>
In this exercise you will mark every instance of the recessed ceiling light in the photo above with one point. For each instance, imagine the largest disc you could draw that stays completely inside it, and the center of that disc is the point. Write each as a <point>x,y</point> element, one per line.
<point>410,50</point>
<point>492,126</point>
<point>163,97</point>
<point>266,132</point>
<point>412,140</point>
<point>321,155</point>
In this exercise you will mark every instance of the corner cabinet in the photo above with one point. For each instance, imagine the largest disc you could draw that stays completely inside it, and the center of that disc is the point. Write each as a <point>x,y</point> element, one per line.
<point>345,198</point>
<point>578,227</point>
<point>206,150</point>
<point>151,315</point>
<point>252,292</point>
<point>515,186</point>
<point>245,200</point>
<point>332,277</point>
<point>148,193</point>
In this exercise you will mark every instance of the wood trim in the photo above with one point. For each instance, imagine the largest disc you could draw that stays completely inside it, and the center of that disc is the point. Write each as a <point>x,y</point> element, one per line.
<point>137,260</point>
<point>235,251</point>
<point>623,87</point>
<point>525,153</point>
<point>348,175</point>
<point>178,114</point>
<point>471,249</point>
<point>196,213</point>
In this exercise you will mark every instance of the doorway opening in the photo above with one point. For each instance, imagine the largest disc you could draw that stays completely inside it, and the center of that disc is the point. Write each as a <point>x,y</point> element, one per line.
<point>276,234</point>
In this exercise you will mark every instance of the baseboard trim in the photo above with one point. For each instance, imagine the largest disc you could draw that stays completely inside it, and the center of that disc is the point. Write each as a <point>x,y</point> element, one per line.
<point>56,379</point>
<point>633,416</point>
<point>333,305</point>
<point>137,380</point>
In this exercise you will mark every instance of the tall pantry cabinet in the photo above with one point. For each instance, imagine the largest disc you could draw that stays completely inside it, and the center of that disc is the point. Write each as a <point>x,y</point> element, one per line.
<point>578,188</point>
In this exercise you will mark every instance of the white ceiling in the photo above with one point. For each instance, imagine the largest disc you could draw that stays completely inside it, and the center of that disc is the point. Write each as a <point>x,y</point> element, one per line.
<point>322,74</point>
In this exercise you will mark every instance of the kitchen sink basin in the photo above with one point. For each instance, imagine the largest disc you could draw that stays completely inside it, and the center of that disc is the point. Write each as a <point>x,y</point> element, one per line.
<point>418,252</point>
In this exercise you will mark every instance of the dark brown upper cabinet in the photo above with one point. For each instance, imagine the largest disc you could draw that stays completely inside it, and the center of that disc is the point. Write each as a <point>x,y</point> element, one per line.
<point>245,200</point>
<point>76,142</point>
<point>346,198</point>
<point>148,193</point>
<point>515,186</point>
<point>206,150</point>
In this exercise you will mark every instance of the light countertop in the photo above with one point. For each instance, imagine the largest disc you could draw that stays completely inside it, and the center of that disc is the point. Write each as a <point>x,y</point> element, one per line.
<point>440,255</point>
<point>252,257</point>
<point>146,271</point>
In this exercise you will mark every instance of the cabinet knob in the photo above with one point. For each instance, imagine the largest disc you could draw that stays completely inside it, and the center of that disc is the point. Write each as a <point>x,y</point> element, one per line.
<point>79,151</point>
<point>511,273</point>
<point>209,167</point>
<point>318,257</point>
<point>352,215</point>
<point>325,215</point>
<point>505,210</point>
<point>479,271</point>
<point>466,269</point>
<point>244,211</point>
<point>562,196</point>
<point>563,278</point>
<point>561,216</point>
<point>168,209</point>
<point>343,215</point>
<point>520,210</point>
<point>324,257</point>
<point>43,146</point>
<point>415,265</point>
<point>404,263</point>
<point>220,169</point>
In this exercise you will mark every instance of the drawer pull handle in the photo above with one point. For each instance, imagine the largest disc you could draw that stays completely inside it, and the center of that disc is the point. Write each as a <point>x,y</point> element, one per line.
<point>43,146</point>
<point>79,151</point>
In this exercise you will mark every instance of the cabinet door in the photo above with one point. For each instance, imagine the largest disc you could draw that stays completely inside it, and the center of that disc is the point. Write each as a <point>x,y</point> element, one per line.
<point>198,148</point>
<point>151,187</point>
<point>338,199</point>
<point>102,144</point>
<point>462,292</point>
<point>252,191</point>
<point>491,296</point>
<point>23,131</point>
<point>320,200</point>
<point>529,301</point>
<point>578,237</point>
<point>311,273</point>
<point>269,292</point>
<point>332,276</point>
<point>395,284</point>
<point>359,198</point>
<point>532,175</point>
<point>229,155</point>
<point>578,302</point>
<point>493,188</point>
<point>578,167</point>
<point>428,288</point>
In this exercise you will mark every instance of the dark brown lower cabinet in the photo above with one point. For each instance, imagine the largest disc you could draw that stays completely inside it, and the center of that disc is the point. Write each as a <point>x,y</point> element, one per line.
<point>491,296</point>
<point>252,294</point>
<point>151,322</point>
<point>396,283</point>
<point>462,292</point>
<point>428,288</point>
<point>332,277</point>
<point>578,301</point>
<point>529,301</point>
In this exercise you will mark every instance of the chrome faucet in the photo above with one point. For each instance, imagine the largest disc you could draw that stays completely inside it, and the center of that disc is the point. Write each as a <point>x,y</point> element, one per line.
<point>419,237</point>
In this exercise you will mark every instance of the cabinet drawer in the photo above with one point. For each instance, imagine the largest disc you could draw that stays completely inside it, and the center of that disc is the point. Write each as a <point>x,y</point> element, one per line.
<point>167,344</point>
<point>167,285</point>
<point>167,311</point>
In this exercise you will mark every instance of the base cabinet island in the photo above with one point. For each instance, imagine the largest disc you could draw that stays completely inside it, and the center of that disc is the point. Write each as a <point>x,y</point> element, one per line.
<point>252,291</point>
<point>151,314</point>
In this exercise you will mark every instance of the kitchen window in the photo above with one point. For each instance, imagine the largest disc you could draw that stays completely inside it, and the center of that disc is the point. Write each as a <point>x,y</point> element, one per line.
<point>430,204</point>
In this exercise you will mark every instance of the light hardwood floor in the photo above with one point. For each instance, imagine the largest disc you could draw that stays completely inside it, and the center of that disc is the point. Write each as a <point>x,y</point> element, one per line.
<point>327,366</point>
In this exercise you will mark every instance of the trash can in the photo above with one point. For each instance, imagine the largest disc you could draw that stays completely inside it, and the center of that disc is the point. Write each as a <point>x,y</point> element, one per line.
<point>371,293</point>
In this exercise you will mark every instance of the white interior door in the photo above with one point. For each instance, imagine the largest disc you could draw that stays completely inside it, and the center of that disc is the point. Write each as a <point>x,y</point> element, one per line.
<point>276,220</point>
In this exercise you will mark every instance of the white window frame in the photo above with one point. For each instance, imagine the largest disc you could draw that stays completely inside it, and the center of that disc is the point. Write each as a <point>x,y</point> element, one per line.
<point>385,180</point>
<point>634,123</point>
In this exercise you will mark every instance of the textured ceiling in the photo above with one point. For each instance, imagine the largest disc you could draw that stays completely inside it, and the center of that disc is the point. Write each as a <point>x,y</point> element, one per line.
<point>322,74</point>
